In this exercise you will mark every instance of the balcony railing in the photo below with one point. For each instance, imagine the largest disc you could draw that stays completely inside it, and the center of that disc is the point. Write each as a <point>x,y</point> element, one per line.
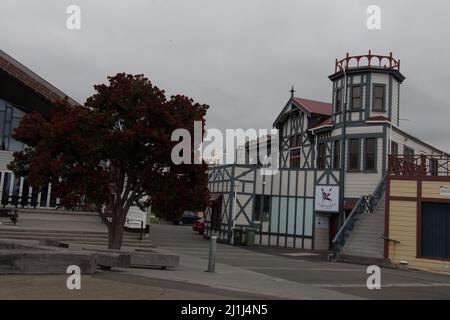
<point>368,60</point>
<point>419,165</point>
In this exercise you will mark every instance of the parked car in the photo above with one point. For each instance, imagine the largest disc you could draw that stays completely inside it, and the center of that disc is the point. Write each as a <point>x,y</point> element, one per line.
<point>199,226</point>
<point>188,217</point>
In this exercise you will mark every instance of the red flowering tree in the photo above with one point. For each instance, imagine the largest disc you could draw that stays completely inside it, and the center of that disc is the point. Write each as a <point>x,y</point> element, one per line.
<point>114,152</point>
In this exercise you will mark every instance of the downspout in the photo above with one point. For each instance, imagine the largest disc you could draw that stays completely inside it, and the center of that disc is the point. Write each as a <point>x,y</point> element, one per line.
<point>344,144</point>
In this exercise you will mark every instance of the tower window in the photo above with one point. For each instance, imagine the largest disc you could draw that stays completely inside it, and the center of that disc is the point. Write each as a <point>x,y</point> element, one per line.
<point>354,150</point>
<point>356,97</point>
<point>378,97</point>
<point>370,154</point>
<point>338,100</point>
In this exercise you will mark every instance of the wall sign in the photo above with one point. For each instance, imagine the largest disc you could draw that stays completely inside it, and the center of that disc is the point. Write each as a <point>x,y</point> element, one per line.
<point>322,221</point>
<point>444,191</point>
<point>327,199</point>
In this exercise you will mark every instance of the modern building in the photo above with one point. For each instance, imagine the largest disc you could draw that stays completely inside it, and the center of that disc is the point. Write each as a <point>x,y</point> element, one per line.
<point>21,91</point>
<point>333,162</point>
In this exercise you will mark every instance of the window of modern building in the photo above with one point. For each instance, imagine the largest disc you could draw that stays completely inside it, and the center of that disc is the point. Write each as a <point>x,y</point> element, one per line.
<point>321,156</point>
<point>10,117</point>
<point>294,158</point>
<point>338,100</point>
<point>261,210</point>
<point>394,148</point>
<point>336,154</point>
<point>354,153</point>
<point>370,148</point>
<point>378,97</point>
<point>356,97</point>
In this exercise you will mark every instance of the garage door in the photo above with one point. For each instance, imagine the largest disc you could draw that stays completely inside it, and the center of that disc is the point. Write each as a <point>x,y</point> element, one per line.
<point>435,230</point>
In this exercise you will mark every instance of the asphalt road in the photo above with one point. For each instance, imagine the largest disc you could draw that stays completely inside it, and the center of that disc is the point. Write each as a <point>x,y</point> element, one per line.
<point>304,267</point>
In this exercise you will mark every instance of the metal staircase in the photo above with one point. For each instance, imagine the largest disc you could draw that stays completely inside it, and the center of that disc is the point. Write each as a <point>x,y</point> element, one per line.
<point>361,235</point>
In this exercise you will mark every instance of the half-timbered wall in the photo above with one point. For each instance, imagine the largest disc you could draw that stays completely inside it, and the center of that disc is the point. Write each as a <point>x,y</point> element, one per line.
<point>296,124</point>
<point>291,218</point>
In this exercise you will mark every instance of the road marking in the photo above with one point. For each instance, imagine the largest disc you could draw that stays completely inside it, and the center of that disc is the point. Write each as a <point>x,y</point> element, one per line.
<point>299,254</point>
<point>389,285</point>
<point>300,269</point>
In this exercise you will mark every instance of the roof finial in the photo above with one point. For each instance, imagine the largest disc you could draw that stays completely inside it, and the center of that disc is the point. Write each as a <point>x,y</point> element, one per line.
<point>292,92</point>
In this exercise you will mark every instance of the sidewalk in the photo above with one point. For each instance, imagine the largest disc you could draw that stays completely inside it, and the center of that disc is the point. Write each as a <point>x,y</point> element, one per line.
<point>226,277</point>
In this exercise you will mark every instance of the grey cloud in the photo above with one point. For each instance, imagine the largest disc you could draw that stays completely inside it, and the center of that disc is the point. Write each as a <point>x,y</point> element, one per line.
<point>240,57</point>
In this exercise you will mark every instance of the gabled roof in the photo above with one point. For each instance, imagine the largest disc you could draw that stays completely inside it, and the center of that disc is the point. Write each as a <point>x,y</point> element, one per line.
<point>30,79</point>
<point>314,107</point>
<point>327,123</point>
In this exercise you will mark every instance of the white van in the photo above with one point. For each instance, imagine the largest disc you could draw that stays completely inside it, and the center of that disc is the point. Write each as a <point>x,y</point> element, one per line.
<point>136,219</point>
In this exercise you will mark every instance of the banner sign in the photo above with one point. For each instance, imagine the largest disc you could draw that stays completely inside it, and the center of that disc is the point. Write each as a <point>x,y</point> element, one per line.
<point>327,199</point>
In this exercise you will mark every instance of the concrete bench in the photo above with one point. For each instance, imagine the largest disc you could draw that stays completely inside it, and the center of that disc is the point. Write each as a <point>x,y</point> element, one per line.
<point>45,262</point>
<point>145,259</point>
<point>104,260</point>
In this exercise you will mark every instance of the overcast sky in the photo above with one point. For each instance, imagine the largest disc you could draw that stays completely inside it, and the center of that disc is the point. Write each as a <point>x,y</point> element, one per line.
<point>239,56</point>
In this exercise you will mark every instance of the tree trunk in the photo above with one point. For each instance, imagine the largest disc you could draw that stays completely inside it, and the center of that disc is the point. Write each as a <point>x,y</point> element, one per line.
<point>115,232</point>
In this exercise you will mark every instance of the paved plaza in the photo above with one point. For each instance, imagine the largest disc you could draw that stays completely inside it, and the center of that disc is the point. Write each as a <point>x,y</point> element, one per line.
<point>241,272</point>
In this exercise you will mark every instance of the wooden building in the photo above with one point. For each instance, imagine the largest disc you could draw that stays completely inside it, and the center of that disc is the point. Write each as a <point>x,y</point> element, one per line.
<point>336,150</point>
<point>417,223</point>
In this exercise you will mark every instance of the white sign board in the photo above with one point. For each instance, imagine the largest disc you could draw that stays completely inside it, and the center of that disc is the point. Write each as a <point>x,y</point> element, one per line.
<point>327,199</point>
<point>444,191</point>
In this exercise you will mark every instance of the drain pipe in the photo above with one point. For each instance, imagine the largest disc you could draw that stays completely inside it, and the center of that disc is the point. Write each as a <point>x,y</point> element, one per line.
<point>344,144</point>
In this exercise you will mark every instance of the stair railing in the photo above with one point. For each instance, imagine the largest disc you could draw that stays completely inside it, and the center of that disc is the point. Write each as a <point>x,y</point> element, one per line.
<point>378,193</point>
<point>364,204</point>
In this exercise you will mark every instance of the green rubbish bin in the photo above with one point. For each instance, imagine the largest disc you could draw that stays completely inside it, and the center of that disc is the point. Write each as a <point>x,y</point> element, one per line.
<point>250,236</point>
<point>237,236</point>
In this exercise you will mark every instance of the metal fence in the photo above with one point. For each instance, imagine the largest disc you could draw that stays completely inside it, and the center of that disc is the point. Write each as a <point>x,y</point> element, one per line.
<point>16,192</point>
